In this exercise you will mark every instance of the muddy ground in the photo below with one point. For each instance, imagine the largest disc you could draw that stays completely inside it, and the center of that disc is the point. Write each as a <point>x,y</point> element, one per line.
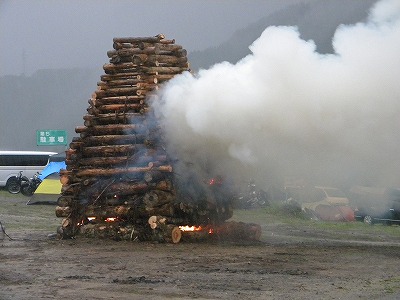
<point>295,259</point>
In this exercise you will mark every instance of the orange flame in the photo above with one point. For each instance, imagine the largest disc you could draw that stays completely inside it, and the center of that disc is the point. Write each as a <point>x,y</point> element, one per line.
<point>190,228</point>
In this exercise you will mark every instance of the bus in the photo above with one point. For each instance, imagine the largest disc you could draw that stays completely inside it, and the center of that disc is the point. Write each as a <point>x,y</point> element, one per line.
<point>28,162</point>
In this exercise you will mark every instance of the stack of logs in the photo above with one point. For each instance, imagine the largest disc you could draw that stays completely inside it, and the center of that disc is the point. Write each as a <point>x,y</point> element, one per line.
<point>119,182</point>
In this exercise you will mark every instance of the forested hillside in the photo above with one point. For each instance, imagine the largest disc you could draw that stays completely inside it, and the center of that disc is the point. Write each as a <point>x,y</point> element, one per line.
<point>317,21</point>
<point>48,99</point>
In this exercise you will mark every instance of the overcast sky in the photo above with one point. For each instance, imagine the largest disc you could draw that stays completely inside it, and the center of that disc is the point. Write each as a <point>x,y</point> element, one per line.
<point>42,34</point>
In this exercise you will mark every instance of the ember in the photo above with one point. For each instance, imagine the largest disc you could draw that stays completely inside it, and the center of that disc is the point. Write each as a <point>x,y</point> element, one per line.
<point>119,177</point>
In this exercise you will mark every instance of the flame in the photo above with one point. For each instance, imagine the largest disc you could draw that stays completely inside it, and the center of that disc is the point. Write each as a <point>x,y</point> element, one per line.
<point>111,219</point>
<point>91,218</point>
<point>190,228</point>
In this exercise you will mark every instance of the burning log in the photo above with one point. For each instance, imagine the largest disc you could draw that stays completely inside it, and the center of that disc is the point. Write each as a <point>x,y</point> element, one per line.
<point>104,212</point>
<point>113,231</point>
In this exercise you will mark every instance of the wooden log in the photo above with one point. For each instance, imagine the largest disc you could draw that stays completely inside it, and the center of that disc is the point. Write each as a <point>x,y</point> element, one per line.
<point>237,231</point>
<point>118,46</point>
<point>103,212</point>
<point>126,82</point>
<point>181,53</point>
<point>111,129</point>
<point>75,145</point>
<point>65,201</point>
<point>117,171</point>
<point>158,219</point>
<point>118,161</point>
<point>120,76</point>
<point>120,68</point>
<point>70,189</point>
<point>153,176</point>
<point>115,139</point>
<point>108,108</point>
<point>164,70</point>
<point>117,92</point>
<point>167,210</point>
<point>126,188</point>
<point>121,99</point>
<point>157,198</point>
<point>112,150</point>
<point>164,77</point>
<point>123,118</point>
<point>63,211</point>
<point>169,233</point>
<point>195,236</point>
<point>169,47</point>
<point>164,185</point>
<point>166,41</point>
<point>167,59</point>
<point>135,40</point>
<point>137,59</point>
<point>129,52</point>
<point>114,231</point>
<point>67,229</point>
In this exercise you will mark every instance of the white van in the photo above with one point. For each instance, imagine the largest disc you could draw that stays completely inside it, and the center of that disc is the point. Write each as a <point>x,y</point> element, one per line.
<point>29,162</point>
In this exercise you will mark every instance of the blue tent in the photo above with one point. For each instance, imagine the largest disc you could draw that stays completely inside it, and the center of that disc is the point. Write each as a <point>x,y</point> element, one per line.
<point>49,189</point>
<point>52,167</point>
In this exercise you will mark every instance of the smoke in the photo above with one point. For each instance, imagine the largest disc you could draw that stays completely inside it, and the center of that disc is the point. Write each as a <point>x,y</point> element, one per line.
<point>286,110</point>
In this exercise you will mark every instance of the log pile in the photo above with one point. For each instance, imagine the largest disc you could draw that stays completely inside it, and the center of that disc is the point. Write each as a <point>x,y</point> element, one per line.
<point>119,176</point>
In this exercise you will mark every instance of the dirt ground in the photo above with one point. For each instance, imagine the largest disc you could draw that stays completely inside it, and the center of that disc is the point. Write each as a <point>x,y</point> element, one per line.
<point>293,260</point>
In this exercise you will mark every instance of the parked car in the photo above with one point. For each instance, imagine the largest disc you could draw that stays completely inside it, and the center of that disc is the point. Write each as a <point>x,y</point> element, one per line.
<point>328,204</point>
<point>376,205</point>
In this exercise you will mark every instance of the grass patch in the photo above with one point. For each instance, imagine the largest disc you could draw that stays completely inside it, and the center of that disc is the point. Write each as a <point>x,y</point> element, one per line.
<point>16,215</point>
<point>392,285</point>
<point>291,218</point>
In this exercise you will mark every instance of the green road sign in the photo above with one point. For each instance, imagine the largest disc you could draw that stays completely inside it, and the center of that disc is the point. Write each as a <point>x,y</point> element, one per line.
<point>47,137</point>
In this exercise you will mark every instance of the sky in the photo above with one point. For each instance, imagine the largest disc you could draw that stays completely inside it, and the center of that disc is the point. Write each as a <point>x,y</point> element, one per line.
<point>48,34</point>
<point>286,110</point>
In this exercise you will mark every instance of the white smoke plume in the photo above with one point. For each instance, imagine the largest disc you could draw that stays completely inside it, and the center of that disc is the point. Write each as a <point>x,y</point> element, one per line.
<point>286,110</point>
